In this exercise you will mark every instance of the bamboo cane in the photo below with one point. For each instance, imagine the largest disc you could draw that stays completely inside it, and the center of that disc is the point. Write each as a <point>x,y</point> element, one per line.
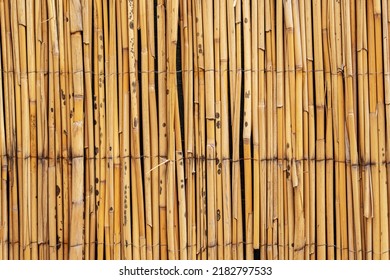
<point>77,196</point>
<point>384,226</point>
<point>376,243</point>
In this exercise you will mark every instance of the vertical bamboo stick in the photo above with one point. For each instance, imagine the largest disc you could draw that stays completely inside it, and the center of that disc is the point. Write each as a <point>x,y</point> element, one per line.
<point>146,128</point>
<point>77,198</point>
<point>125,142</point>
<point>153,127</point>
<point>384,225</point>
<point>226,183</point>
<point>247,131</point>
<point>372,78</point>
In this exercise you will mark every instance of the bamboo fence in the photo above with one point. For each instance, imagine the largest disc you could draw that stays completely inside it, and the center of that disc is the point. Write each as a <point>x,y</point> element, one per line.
<point>194,129</point>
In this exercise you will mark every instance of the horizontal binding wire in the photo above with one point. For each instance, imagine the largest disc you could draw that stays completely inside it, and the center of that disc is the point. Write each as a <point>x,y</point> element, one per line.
<point>194,245</point>
<point>198,158</point>
<point>264,70</point>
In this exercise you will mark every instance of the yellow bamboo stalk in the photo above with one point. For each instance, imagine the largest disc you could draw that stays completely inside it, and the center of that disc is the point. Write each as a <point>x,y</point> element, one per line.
<point>162,117</point>
<point>320,129</point>
<point>77,196</point>
<point>372,79</point>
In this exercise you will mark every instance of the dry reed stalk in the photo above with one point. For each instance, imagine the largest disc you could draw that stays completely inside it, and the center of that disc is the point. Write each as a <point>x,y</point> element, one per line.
<point>181,193</point>
<point>299,242</point>
<point>247,131</point>
<point>153,128</point>
<point>69,110</point>
<point>351,128</point>
<point>255,120</point>
<point>289,204</point>
<point>269,53</point>
<point>384,251</point>
<point>239,59</point>
<point>305,131</point>
<point>275,194</point>
<point>64,189</point>
<point>386,77</point>
<point>89,142</point>
<point>139,246</point>
<point>236,174</point>
<point>327,249</point>
<point>100,132</point>
<point>16,85</point>
<point>311,131</point>
<point>162,116</point>
<point>210,150</point>
<point>201,137</point>
<point>3,176</point>
<point>171,99</point>
<point>188,31</point>
<point>290,115</point>
<point>372,78</point>
<point>364,128</point>
<point>126,237</point>
<point>111,135</point>
<point>320,129</point>
<point>9,125</point>
<point>196,130</point>
<point>58,148</point>
<point>25,195</point>
<point>118,80</point>
<point>341,133</point>
<point>231,31</point>
<point>281,155</point>
<point>146,128</point>
<point>76,245</point>
<point>226,183</point>
<point>33,133</point>
<point>42,138</point>
<point>338,132</point>
<point>218,131</point>
<point>263,132</point>
<point>51,210</point>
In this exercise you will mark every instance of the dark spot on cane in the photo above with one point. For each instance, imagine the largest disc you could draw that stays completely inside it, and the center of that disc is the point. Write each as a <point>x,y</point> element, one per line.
<point>246,124</point>
<point>246,20</point>
<point>58,245</point>
<point>217,115</point>
<point>218,215</point>
<point>219,171</point>
<point>96,180</point>
<point>96,150</point>
<point>51,110</point>
<point>164,124</point>
<point>58,190</point>
<point>135,122</point>
<point>96,192</point>
<point>111,209</point>
<point>131,25</point>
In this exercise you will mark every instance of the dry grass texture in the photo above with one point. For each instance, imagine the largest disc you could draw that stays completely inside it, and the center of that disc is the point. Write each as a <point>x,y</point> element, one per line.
<point>194,129</point>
